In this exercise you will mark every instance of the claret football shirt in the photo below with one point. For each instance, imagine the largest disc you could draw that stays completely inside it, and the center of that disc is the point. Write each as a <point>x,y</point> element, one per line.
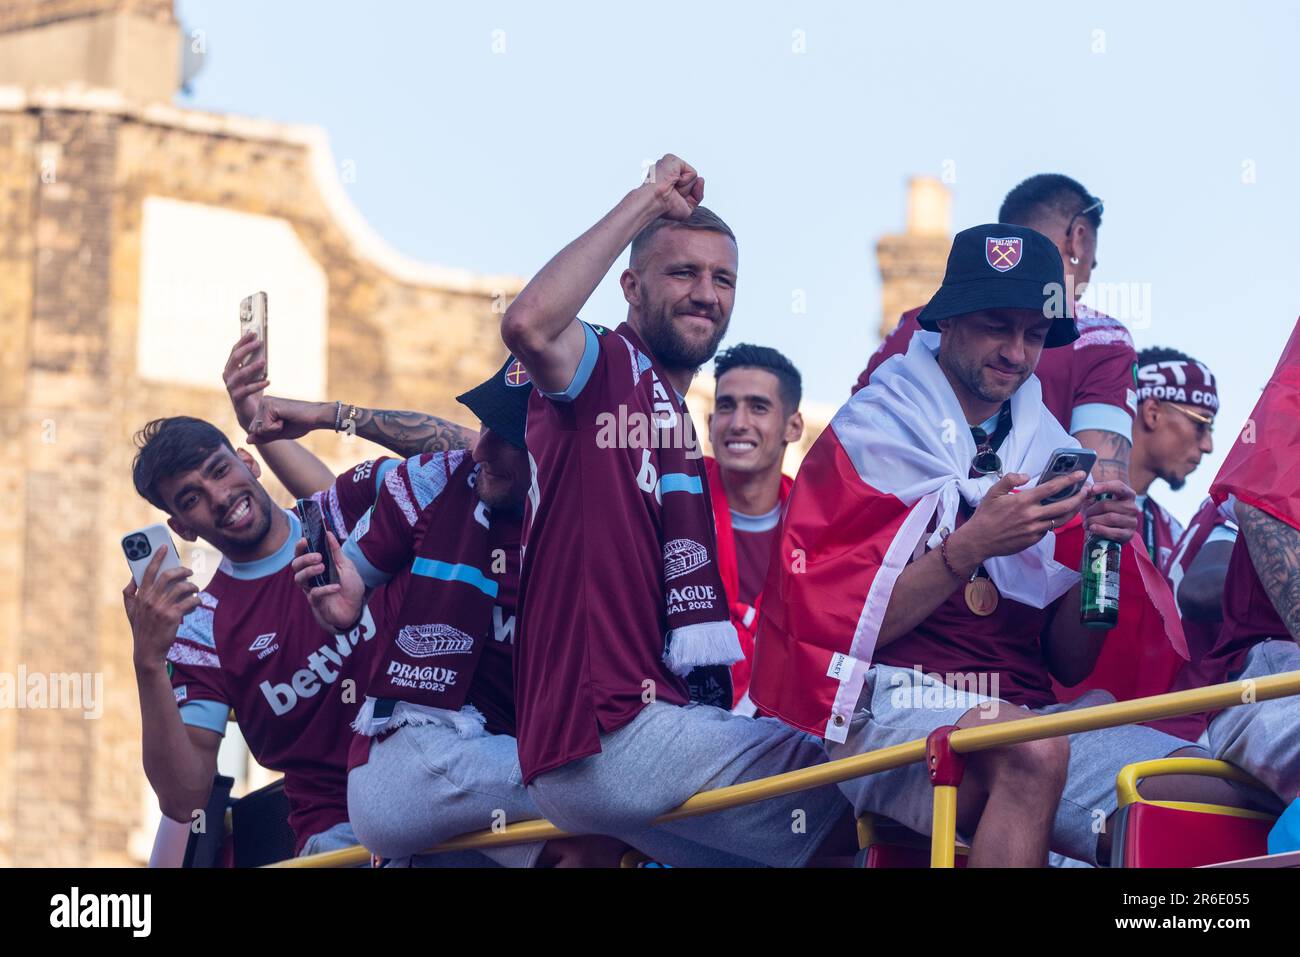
<point>253,646</point>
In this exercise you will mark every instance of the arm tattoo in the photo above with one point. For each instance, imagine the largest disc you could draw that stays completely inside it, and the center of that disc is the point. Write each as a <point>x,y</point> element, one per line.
<point>411,433</point>
<point>1275,552</point>
<point>1113,451</point>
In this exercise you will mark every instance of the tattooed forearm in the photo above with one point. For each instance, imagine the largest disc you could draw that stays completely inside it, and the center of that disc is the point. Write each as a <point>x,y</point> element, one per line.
<point>411,433</point>
<point>1113,453</point>
<point>1275,552</point>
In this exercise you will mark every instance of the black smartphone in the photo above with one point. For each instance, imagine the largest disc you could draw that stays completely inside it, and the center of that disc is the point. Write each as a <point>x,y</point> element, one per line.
<point>314,527</point>
<point>1063,462</point>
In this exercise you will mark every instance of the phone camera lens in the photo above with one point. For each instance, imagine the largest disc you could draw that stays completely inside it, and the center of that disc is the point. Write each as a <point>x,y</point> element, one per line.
<point>137,547</point>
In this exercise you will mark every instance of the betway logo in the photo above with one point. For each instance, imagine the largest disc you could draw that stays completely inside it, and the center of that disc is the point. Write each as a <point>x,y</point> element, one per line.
<point>307,682</point>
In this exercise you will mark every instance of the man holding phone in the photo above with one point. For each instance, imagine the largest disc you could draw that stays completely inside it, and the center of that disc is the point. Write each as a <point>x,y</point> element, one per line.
<point>249,640</point>
<point>925,589</point>
<point>435,756</point>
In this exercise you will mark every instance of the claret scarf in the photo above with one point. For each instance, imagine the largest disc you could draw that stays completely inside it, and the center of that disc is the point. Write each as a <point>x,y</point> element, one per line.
<point>699,629</point>
<point>425,666</point>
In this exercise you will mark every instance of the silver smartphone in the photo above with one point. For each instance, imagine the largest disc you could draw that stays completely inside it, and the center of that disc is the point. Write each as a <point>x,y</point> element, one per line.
<point>252,318</point>
<point>1063,462</point>
<point>141,545</point>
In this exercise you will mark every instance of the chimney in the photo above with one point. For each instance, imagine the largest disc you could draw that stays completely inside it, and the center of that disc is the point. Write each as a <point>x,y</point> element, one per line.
<point>911,263</point>
<point>132,46</point>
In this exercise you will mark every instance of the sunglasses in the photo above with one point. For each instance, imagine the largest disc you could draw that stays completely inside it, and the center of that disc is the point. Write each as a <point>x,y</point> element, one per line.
<point>985,461</point>
<point>1204,423</point>
<point>1101,210</point>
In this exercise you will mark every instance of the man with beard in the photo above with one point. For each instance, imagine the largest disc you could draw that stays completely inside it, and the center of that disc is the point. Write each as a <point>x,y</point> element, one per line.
<point>755,417</point>
<point>620,591</point>
<point>929,559</point>
<point>1177,402</point>
<point>435,756</point>
<point>1088,387</point>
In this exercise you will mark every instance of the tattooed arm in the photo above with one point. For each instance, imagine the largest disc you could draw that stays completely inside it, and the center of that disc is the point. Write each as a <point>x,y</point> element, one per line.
<point>406,433</point>
<point>1275,552</point>
<point>1112,450</point>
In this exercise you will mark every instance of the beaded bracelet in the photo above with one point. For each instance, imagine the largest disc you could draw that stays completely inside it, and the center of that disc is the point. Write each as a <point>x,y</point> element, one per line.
<point>943,553</point>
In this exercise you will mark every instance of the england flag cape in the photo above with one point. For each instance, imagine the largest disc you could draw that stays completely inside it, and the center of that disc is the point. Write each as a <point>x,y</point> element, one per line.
<point>896,456</point>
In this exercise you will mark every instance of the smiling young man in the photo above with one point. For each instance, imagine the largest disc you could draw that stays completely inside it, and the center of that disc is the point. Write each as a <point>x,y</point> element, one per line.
<point>247,641</point>
<point>620,590</point>
<point>1088,387</point>
<point>926,591</point>
<point>755,417</point>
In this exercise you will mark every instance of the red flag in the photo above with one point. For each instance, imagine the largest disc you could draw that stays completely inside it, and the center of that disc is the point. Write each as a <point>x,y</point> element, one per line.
<point>1260,469</point>
<point>835,548</point>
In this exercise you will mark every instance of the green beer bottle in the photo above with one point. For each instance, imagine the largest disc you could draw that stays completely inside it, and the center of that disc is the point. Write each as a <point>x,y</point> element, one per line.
<point>1099,593</point>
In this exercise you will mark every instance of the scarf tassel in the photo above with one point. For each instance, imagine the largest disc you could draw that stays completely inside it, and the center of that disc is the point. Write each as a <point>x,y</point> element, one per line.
<point>468,722</point>
<point>704,643</point>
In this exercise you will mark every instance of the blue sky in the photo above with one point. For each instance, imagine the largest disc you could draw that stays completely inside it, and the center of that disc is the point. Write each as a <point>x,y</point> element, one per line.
<point>488,135</point>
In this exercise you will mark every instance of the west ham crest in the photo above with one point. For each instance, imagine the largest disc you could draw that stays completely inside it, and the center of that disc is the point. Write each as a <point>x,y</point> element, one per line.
<point>517,375</point>
<point>1002,254</point>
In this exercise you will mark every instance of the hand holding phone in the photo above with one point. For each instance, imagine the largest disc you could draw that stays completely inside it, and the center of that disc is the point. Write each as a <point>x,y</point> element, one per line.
<point>159,595</point>
<point>1063,462</point>
<point>313,529</point>
<point>253,318</point>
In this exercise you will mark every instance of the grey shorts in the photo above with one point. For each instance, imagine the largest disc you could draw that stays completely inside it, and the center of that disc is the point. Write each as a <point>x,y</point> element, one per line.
<point>1263,738</point>
<point>331,839</point>
<point>898,705</point>
<point>668,753</point>
<point>424,784</point>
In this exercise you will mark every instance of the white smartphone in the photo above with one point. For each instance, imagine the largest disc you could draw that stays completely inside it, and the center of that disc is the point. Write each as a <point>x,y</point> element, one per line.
<point>252,318</point>
<point>141,545</point>
<point>1063,462</point>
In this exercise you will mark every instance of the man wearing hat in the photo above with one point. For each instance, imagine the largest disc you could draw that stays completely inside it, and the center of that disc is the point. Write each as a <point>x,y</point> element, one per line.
<point>1088,387</point>
<point>927,593</point>
<point>435,754</point>
<point>1177,403</point>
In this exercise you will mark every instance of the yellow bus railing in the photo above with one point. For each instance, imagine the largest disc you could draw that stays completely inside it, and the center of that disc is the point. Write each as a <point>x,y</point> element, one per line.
<point>964,741</point>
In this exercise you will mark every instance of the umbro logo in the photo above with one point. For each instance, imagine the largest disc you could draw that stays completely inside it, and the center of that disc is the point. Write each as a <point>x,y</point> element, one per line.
<point>263,646</point>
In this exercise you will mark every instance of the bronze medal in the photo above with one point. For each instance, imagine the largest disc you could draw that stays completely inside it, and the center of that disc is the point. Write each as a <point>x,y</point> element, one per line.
<point>982,597</point>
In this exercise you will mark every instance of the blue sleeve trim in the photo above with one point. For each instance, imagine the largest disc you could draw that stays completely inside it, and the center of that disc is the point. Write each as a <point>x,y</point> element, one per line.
<point>371,575</point>
<point>1222,533</point>
<point>386,466</point>
<point>1103,418</point>
<point>582,375</point>
<point>211,715</point>
<point>680,482</point>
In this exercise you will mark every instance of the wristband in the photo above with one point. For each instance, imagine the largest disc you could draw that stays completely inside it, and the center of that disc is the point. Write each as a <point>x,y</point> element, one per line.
<point>338,416</point>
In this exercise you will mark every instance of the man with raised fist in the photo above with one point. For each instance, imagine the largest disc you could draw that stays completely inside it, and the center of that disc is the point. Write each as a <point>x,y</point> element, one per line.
<point>620,591</point>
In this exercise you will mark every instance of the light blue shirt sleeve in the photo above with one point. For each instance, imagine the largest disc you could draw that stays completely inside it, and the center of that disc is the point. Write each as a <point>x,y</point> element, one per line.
<point>371,575</point>
<point>581,375</point>
<point>1222,533</point>
<point>1103,418</point>
<point>211,715</point>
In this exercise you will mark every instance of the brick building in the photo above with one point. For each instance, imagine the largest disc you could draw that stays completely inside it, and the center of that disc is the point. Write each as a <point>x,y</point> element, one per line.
<point>129,230</point>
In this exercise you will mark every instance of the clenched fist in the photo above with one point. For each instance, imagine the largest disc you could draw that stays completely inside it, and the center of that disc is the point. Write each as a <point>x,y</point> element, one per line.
<point>676,185</point>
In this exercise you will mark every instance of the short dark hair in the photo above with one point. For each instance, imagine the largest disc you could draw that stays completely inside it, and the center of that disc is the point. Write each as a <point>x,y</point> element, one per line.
<point>1045,194</point>
<point>167,447</point>
<point>700,218</point>
<point>1154,354</point>
<point>744,355</point>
